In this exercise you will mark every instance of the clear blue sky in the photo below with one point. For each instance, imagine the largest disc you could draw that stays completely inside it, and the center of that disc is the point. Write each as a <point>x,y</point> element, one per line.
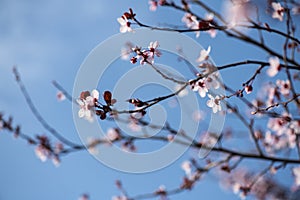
<point>48,40</point>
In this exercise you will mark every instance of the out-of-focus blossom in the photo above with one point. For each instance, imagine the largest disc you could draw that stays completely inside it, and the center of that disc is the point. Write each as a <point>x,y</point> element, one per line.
<point>209,139</point>
<point>296,173</point>
<point>274,66</point>
<point>198,115</point>
<point>212,32</point>
<point>119,197</point>
<point>56,161</point>
<point>113,134</point>
<point>237,12</point>
<point>284,87</point>
<point>60,96</point>
<point>84,197</point>
<point>295,126</point>
<point>42,153</point>
<point>278,125</point>
<point>191,22</point>
<point>58,148</point>
<point>204,54</point>
<point>278,11</point>
<point>125,25</point>
<point>186,166</point>
<point>133,122</point>
<point>170,137</point>
<point>296,10</point>
<point>92,145</point>
<point>153,5</point>
<point>264,188</point>
<point>214,103</point>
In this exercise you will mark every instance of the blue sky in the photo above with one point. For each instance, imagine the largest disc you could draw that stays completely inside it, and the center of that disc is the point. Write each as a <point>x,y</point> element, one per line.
<point>48,40</point>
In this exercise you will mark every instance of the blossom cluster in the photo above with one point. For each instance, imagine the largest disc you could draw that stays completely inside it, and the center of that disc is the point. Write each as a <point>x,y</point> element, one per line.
<point>143,55</point>
<point>89,104</point>
<point>45,151</point>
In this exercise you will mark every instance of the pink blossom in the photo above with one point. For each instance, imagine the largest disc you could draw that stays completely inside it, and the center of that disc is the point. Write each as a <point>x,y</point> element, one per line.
<point>209,139</point>
<point>296,173</point>
<point>124,25</point>
<point>214,103</point>
<point>113,134</point>
<point>170,137</point>
<point>60,96</point>
<point>186,166</point>
<point>191,22</point>
<point>133,123</point>
<point>284,87</point>
<point>84,197</point>
<point>248,89</point>
<point>204,54</point>
<point>278,11</point>
<point>153,49</point>
<point>296,10</point>
<point>58,148</point>
<point>212,81</point>
<point>42,153</point>
<point>199,86</point>
<point>237,11</point>
<point>56,161</point>
<point>198,115</point>
<point>87,102</point>
<point>274,66</point>
<point>212,32</point>
<point>92,144</point>
<point>119,197</point>
<point>152,5</point>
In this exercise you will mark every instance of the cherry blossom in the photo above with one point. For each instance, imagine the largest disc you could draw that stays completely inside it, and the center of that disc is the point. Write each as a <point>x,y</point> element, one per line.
<point>124,24</point>
<point>248,89</point>
<point>214,103</point>
<point>170,137</point>
<point>119,198</point>
<point>295,126</point>
<point>60,96</point>
<point>84,197</point>
<point>296,10</point>
<point>153,49</point>
<point>198,115</point>
<point>284,87</point>
<point>278,11</point>
<point>42,153</point>
<point>212,32</point>
<point>204,54</point>
<point>58,148</point>
<point>92,144</point>
<point>133,122</point>
<point>56,161</point>
<point>274,66</point>
<point>296,173</point>
<point>113,134</point>
<point>209,139</point>
<point>186,166</point>
<point>199,86</point>
<point>191,22</point>
<point>153,5</point>
<point>237,11</point>
<point>87,102</point>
